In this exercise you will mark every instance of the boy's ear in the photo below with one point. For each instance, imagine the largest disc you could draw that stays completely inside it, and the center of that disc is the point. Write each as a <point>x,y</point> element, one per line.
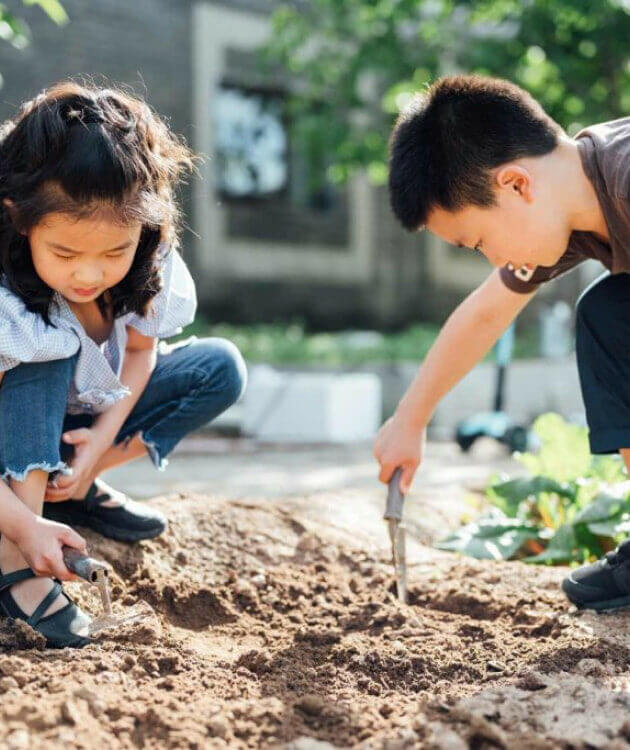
<point>517,179</point>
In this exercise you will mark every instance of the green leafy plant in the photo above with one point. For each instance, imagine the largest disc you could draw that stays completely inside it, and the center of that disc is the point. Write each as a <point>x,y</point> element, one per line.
<point>570,508</point>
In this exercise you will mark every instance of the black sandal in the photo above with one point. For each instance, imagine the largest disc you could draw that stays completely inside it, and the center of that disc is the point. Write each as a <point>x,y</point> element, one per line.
<point>129,522</point>
<point>64,628</point>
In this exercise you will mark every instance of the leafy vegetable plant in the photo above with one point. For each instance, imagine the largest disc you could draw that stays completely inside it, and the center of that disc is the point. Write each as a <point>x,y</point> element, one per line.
<point>573,507</point>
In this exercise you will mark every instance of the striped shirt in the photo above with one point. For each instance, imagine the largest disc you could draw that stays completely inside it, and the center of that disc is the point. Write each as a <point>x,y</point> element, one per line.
<point>25,337</point>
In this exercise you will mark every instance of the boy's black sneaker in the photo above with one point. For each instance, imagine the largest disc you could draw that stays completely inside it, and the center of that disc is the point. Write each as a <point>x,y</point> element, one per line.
<point>604,584</point>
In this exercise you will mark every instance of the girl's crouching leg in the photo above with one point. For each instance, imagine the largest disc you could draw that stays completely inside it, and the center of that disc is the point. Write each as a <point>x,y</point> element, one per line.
<point>33,401</point>
<point>220,379</point>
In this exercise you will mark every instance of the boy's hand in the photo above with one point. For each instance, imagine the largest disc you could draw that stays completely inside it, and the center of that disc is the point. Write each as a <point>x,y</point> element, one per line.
<point>399,444</point>
<point>41,540</point>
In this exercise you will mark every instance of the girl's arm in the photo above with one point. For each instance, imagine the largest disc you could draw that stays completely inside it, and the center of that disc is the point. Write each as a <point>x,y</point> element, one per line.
<point>15,516</point>
<point>138,364</point>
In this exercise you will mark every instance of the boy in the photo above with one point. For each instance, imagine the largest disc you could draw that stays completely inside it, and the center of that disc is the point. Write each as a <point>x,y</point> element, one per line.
<point>477,161</point>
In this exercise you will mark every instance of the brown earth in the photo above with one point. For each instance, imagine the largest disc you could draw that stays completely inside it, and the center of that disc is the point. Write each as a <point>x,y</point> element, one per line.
<point>273,629</point>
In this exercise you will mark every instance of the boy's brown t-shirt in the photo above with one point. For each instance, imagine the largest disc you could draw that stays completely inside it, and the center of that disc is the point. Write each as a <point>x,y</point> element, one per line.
<point>605,153</point>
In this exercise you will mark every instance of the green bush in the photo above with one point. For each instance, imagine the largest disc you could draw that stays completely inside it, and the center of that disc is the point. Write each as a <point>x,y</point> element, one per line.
<point>291,344</point>
<point>565,511</point>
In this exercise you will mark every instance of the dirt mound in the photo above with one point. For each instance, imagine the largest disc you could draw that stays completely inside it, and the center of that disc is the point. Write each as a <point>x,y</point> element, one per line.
<point>268,632</point>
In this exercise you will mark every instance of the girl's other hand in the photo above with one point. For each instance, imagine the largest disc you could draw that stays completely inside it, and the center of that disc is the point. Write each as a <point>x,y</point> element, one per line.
<point>41,541</point>
<point>87,451</point>
<point>399,444</point>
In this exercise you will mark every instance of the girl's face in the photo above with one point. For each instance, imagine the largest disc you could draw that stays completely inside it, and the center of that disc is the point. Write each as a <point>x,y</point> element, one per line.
<point>81,258</point>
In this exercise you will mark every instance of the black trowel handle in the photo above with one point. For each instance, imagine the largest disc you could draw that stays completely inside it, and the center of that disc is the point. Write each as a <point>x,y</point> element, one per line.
<point>395,498</point>
<point>85,567</point>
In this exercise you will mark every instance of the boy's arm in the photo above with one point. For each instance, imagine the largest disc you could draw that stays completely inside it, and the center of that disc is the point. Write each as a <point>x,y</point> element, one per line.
<point>469,333</point>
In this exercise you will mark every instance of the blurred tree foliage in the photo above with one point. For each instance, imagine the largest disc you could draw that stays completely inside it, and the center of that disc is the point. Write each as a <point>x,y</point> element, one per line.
<point>357,62</point>
<point>15,30</point>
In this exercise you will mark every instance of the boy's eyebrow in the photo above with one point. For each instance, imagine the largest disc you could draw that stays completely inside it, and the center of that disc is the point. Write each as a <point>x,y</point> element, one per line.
<point>78,252</point>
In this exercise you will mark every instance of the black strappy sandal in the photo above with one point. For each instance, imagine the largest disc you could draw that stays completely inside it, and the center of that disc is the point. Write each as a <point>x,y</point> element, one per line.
<point>67,627</point>
<point>128,522</point>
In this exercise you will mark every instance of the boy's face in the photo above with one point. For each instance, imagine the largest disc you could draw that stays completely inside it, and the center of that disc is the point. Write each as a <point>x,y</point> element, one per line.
<point>527,227</point>
<point>71,255</point>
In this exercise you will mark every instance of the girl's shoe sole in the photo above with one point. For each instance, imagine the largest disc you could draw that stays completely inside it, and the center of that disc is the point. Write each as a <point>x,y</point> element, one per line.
<point>112,532</point>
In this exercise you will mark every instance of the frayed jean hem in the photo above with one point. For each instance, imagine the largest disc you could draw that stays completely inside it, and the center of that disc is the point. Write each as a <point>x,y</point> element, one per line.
<point>20,476</point>
<point>160,462</point>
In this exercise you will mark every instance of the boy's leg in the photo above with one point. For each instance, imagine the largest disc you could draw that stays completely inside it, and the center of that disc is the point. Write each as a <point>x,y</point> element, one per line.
<point>192,383</point>
<point>603,357</point>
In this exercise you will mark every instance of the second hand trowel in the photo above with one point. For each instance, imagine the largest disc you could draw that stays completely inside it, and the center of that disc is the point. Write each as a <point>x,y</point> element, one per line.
<point>393,516</point>
<point>97,573</point>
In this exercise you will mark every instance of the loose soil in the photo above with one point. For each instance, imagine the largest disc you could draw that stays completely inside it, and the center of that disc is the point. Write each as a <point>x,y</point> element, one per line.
<point>269,628</point>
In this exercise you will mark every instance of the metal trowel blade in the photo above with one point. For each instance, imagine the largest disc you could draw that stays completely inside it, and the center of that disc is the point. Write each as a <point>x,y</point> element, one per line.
<point>399,556</point>
<point>106,621</point>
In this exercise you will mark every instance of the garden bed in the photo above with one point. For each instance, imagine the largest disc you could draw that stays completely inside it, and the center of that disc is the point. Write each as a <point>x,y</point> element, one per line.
<point>271,624</point>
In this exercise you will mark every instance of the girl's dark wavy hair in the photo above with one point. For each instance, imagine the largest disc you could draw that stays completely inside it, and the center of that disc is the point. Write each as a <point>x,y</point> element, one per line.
<point>88,152</point>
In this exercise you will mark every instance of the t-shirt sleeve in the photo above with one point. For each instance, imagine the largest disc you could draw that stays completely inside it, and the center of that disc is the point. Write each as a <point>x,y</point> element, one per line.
<point>174,306</point>
<point>525,281</point>
<point>26,337</point>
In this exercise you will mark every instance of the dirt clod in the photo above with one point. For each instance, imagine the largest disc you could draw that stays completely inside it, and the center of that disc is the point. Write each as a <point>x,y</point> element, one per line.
<point>6,683</point>
<point>70,712</point>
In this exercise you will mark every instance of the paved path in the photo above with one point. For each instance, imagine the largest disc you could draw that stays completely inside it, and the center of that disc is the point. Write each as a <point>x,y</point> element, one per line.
<point>442,496</point>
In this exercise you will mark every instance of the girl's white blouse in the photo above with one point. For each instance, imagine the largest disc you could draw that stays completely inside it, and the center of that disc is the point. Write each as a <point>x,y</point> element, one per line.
<point>25,337</point>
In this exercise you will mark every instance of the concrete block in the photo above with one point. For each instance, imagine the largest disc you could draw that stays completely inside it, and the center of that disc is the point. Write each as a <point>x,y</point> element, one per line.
<point>307,407</point>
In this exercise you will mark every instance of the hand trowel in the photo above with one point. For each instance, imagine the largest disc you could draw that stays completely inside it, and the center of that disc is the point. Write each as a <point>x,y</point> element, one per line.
<point>96,572</point>
<point>393,516</point>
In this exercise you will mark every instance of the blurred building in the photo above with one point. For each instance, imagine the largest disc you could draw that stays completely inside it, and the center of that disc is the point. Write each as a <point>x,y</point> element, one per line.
<point>262,243</point>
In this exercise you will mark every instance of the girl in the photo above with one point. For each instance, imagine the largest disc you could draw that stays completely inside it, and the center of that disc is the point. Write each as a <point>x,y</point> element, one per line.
<point>90,279</point>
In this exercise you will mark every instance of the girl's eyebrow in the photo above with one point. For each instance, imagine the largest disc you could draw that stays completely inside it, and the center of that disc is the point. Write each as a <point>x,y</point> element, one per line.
<point>78,252</point>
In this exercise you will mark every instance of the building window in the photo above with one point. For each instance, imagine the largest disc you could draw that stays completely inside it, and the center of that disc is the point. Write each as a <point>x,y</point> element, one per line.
<point>271,179</point>
<point>251,143</point>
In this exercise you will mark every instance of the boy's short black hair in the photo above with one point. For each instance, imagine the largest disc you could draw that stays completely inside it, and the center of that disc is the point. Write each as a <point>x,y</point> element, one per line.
<point>449,137</point>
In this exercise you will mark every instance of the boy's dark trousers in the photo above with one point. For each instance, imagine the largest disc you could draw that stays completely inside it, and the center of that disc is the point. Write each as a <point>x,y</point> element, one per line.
<point>603,358</point>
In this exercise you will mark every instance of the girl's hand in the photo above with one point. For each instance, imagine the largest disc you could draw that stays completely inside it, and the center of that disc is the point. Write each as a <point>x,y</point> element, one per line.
<point>399,444</point>
<point>87,451</point>
<point>41,541</point>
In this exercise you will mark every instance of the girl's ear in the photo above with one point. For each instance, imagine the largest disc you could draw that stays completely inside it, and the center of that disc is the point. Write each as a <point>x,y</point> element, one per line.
<point>10,207</point>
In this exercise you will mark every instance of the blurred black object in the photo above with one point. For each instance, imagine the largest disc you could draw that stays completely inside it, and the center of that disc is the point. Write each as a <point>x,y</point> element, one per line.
<point>496,423</point>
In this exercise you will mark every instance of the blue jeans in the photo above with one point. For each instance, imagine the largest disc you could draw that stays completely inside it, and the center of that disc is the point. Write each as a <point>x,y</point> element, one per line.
<point>192,383</point>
